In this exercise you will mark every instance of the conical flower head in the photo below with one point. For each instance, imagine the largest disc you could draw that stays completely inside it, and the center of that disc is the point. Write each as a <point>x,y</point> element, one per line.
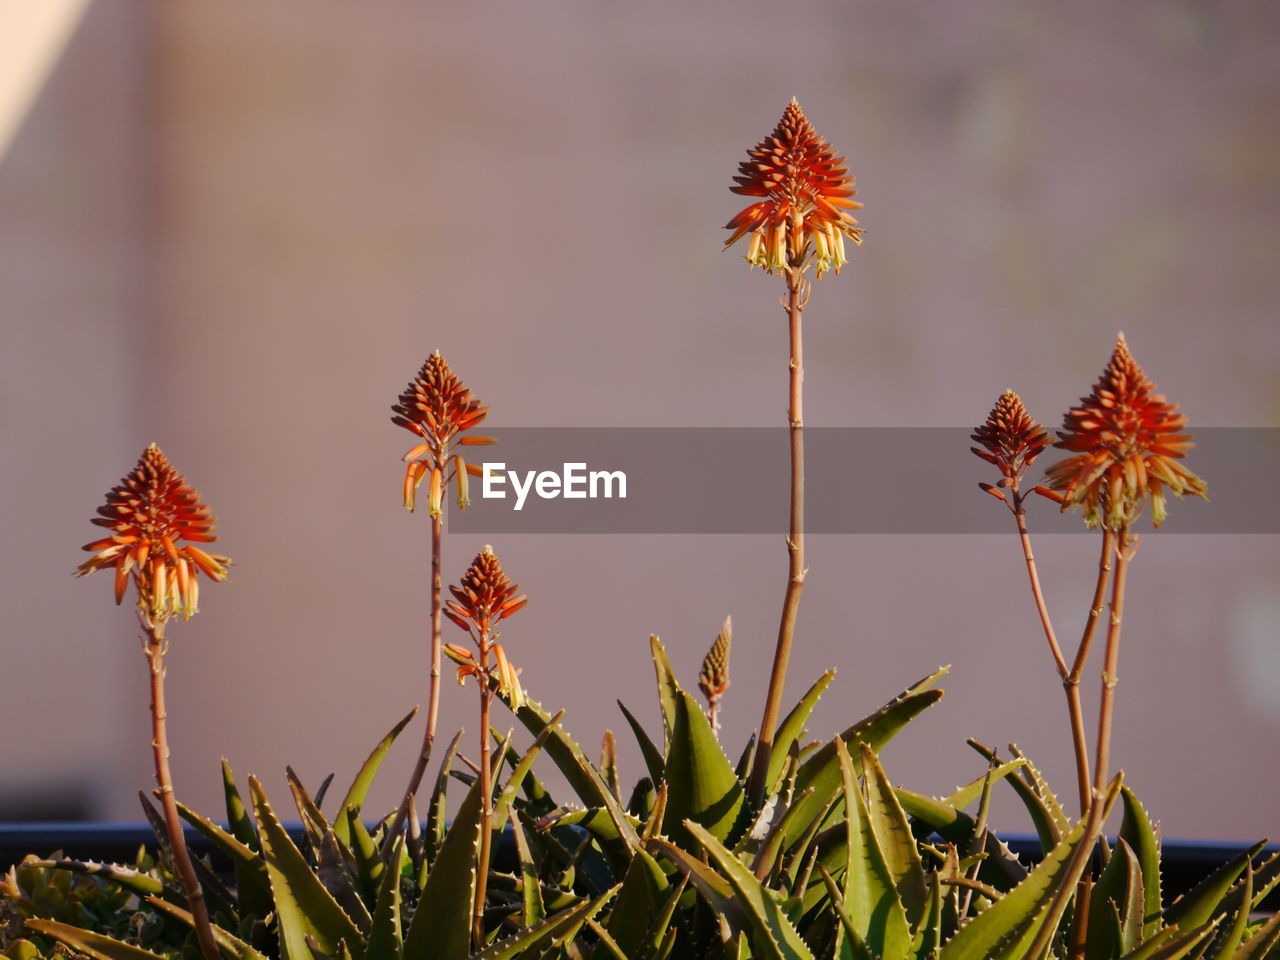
<point>713,678</point>
<point>1012,437</point>
<point>156,519</point>
<point>484,595</point>
<point>1128,444</point>
<point>807,193</point>
<point>437,406</point>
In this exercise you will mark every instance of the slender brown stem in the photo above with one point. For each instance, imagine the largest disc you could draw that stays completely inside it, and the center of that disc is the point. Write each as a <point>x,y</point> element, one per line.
<point>1110,676</point>
<point>1071,683</point>
<point>797,297</point>
<point>154,646</point>
<point>433,689</point>
<point>1070,687</point>
<point>486,796</point>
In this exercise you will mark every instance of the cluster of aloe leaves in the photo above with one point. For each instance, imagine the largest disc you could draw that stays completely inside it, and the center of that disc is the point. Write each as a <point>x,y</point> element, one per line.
<point>836,863</point>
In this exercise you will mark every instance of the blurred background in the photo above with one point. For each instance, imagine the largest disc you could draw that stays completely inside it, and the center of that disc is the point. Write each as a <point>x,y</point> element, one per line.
<point>237,229</point>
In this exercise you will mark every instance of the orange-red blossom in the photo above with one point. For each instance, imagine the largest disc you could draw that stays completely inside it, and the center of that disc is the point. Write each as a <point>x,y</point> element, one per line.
<point>1128,442</point>
<point>484,596</point>
<point>437,406</point>
<point>156,519</point>
<point>807,193</point>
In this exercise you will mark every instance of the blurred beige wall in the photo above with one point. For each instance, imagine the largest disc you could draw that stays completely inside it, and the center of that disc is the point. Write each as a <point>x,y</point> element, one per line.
<point>237,229</point>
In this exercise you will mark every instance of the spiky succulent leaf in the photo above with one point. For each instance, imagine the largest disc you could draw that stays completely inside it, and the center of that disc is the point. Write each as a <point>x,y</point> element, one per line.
<point>1204,902</point>
<point>359,789</point>
<point>1018,913</point>
<point>653,759</point>
<point>1137,830</point>
<point>132,880</point>
<point>534,911</point>
<point>1118,896</point>
<point>1170,944</point>
<point>668,688</point>
<point>304,908</point>
<point>1262,943</point>
<point>792,728</point>
<point>773,936</point>
<point>821,770</point>
<point>231,945</point>
<point>640,897</point>
<point>441,925</point>
<point>870,895</point>
<point>556,931</point>
<point>96,945</point>
<point>701,784</point>
<point>893,837</point>
<point>1231,936</point>
<point>385,938</point>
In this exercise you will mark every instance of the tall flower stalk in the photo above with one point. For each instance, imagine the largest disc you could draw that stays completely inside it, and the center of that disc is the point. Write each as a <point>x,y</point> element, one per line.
<point>484,597</point>
<point>1127,442</point>
<point>438,407</point>
<point>155,519</point>
<point>801,221</point>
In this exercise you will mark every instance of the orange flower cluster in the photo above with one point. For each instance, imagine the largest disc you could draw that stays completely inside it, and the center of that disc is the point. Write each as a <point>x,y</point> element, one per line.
<point>1128,441</point>
<point>150,513</point>
<point>484,596</point>
<point>437,406</point>
<point>1012,438</point>
<point>807,191</point>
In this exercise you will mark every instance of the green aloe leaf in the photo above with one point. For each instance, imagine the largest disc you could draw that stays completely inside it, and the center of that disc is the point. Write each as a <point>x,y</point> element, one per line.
<point>821,770</point>
<point>1203,903</point>
<point>331,867</point>
<point>572,762</point>
<point>701,785</point>
<point>894,838</point>
<point>534,910</point>
<point>713,887</point>
<point>972,790</point>
<point>238,820</point>
<point>1170,944</point>
<point>849,943</point>
<point>773,937</point>
<point>253,888</point>
<point>1137,830</point>
<point>557,930</point>
<point>1118,896</point>
<point>95,945</point>
<point>368,860</point>
<point>304,908</point>
<point>441,926</point>
<point>870,894</point>
<point>639,899</point>
<point>1229,940</point>
<point>792,728</point>
<point>359,788</point>
<point>385,940</point>
<point>668,688</point>
<point>652,755</point>
<point>1045,812</point>
<point>132,880</point>
<point>231,945</point>
<point>436,823</point>
<point>1261,944</point>
<point>1015,918</point>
